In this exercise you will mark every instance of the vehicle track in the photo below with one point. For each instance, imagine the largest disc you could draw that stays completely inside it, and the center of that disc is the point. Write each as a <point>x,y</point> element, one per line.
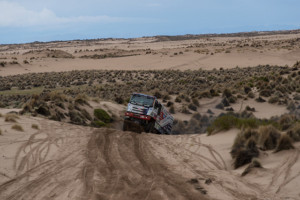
<point>64,161</point>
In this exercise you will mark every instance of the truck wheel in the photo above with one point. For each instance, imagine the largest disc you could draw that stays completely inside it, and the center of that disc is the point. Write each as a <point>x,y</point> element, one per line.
<point>150,127</point>
<point>125,126</point>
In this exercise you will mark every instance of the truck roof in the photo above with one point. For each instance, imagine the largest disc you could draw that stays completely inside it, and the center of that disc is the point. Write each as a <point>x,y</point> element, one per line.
<point>144,95</point>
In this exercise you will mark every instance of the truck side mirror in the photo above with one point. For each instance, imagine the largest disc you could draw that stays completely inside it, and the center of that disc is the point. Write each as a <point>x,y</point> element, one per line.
<point>159,109</point>
<point>156,104</point>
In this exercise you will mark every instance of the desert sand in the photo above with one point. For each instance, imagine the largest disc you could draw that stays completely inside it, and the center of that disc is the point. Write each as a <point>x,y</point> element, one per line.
<point>152,53</point>
<point>53,156</point>
<point>64,161</point>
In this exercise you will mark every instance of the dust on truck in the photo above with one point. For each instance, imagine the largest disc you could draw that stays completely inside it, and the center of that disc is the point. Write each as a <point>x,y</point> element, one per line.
<point>149,114</point>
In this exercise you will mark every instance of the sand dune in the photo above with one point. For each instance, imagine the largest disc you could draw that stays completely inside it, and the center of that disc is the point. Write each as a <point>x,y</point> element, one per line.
<point>63,161</point>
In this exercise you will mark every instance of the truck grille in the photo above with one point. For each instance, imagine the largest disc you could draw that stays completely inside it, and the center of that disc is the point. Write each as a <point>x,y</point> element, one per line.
<point>138,110</point>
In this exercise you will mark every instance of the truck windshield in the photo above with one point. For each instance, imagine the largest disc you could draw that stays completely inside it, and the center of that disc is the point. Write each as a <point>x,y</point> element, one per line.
<point>142,100</point>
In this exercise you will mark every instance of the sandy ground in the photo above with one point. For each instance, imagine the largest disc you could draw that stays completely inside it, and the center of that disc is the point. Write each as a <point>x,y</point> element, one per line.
<point>151,53</point>
<point>64,161</point>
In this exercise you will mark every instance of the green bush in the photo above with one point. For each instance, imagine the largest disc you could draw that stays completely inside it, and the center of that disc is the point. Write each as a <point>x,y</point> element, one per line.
<point>98,124</point>
<point>102,115</point>
<point>228,121</point>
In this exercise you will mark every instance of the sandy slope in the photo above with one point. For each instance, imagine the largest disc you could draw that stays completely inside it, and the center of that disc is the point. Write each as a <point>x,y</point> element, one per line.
<point>64,161</point>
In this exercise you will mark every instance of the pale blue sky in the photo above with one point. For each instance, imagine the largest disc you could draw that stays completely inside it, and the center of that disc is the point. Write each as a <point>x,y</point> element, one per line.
<point>40,20</point>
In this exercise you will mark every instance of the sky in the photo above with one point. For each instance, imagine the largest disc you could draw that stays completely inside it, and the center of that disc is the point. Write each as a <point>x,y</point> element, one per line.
<point>24,21</point>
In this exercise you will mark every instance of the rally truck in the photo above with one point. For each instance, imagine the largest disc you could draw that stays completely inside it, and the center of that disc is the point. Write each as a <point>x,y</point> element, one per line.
<point>147,113</point>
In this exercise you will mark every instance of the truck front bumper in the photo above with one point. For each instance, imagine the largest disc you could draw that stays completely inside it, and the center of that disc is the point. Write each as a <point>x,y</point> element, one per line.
<point>129,115</point>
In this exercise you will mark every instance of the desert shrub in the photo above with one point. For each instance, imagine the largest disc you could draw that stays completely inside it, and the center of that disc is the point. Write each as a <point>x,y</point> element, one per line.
<point>206,94</point>
<point>250,133</point>
<point>221,123</point>
<point>228,121</point>
<point>178,99</point>
<point>286,121</point>
<point>157,94</point>
<point>294,132</point>
<point>86,114</point>
<point>119,100</point>
<point>247,89</point>
<point>98,124</point>
<point>225,102</point>
<point>232,99</point>
<point>185,110</point>
<point>1,115</point>
<point>170,103</point>
<point>81,99</point>
<point>265,93</point>
<point>3,63</point>
<point>251,95</point>
<point>220,106</point>
<point>179,127</point>
<point>244,156</point>
<point>17,127</point>
<point>245,139</point>
<point>284,143</point>
<point>172,109</point>
<point>35,126</point>
<point>268,137</point>
<point>213,92</point>
<point>76,118</point>
<point>260,99</point>
<point>192,106</point>
<point>273,99</point>
<point>248,108</point>
<point>227,93</point>
<point>11,118</point>
<point>0,132</point>
<point>255,163</point>
<point>296,97</point>
<point>187,99</point>
<point>195,102</point>
<point>291,106</point>
<point>102,115</point>
<point>43,110</point>
<point>55,96</point>
<point>166,97</point>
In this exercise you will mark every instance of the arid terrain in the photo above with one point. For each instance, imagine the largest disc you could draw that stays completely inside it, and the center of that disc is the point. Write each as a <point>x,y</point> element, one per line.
<point>235,99</point>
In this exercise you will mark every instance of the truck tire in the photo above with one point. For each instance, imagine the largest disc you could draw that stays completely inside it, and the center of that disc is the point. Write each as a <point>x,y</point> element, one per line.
<point>150,127</point>
<point>125,126</point>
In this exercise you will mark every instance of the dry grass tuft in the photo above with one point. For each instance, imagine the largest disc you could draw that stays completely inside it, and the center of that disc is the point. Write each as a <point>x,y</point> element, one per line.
<point>35,126</point>
<point>268,137</point>
<point>294,132</point>
<point>11,117</point>
<point>244,156</point>
<point>255,163</point>
<point>17,127</point>
<point>284,143</point>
